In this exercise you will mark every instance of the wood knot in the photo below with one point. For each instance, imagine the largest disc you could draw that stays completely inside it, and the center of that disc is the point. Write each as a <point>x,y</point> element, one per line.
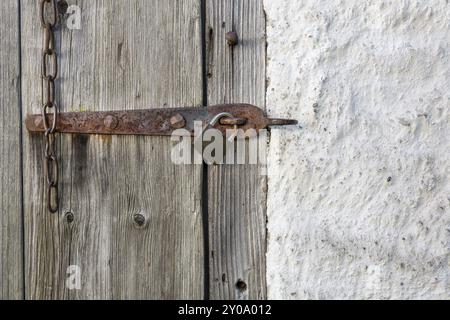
<point>69,216</point>
<point>139,220</point>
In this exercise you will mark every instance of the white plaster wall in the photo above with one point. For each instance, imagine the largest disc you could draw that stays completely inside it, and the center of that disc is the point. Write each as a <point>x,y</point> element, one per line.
<point>359,199</point>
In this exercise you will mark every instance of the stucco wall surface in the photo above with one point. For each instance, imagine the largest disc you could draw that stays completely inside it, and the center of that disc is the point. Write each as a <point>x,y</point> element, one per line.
<point>359,198</point>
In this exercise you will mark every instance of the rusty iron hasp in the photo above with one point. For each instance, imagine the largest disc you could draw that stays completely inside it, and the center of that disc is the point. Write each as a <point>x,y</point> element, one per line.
<point>156,122</point>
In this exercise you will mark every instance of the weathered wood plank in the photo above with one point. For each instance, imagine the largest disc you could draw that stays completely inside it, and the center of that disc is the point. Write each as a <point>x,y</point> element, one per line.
<point>237,194</point>
<point>11,254</point>
<point>128,55</point>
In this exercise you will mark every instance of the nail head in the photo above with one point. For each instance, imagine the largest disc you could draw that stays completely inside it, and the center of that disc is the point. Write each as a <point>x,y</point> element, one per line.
<point>232,38</point>
<point>178,121</point>
<point>111,122</point>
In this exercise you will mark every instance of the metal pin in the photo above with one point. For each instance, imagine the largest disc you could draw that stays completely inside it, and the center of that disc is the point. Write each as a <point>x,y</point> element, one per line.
<point>281,122</point>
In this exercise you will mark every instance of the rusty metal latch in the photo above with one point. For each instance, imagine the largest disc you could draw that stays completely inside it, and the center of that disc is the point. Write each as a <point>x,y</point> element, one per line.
<point>157,122</point>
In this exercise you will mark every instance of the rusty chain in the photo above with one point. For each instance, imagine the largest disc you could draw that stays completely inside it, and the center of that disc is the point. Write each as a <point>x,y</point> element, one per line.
<point>48,8</point>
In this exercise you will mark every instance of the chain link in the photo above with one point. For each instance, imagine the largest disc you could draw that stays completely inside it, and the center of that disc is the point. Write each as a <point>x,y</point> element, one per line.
<point>50,62</point>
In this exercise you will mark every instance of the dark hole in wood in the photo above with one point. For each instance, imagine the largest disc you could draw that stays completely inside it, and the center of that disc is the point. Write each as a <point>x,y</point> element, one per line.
<point>62,7</point>
<point>241,285</point>
<point>139,220</point>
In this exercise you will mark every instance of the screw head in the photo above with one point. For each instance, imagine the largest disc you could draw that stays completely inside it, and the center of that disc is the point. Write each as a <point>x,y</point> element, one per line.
<point>232,38</point>
<point>111,122</point>
<point>178,121</point>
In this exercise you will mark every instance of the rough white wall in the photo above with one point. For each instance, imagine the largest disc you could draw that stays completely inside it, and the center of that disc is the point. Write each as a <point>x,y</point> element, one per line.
<point>359,199</point>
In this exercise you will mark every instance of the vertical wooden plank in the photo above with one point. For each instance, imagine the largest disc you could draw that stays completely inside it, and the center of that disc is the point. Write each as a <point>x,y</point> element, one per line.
<point>130,219</point>
<point>237,193</point>
<point>11,264</point>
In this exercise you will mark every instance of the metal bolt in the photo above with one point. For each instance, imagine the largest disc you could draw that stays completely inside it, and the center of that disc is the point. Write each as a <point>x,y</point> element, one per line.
<point>232,38</point>
<point>178,121</point>
<point>111,122</point>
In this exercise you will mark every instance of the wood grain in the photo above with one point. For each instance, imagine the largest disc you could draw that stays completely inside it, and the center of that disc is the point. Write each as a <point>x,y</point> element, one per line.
<point>237,194</point>
<point>128,55</point>
<point>11,252</point>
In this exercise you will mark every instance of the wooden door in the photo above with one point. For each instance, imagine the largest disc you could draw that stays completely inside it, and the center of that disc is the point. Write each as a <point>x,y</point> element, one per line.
<point>11,223</point>
<point>236,193</point>
<point>135,225</point>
